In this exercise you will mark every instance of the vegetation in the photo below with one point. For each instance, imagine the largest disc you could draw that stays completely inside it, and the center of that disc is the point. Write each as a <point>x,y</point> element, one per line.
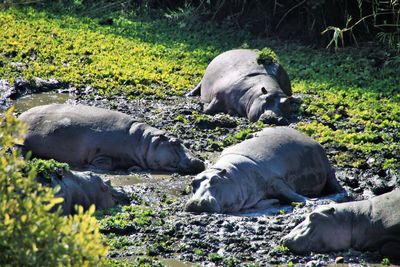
<point>266,56</point>
<point>125,217</point>
<point>29,234</point>
<point>46,168</point>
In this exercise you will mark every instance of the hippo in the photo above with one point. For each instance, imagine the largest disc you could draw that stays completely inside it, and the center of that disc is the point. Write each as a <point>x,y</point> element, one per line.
<point>84,189</point>
<point>277,164</point>
<point>85,136</point>
<point>235,83</point>
<point>366,225</point>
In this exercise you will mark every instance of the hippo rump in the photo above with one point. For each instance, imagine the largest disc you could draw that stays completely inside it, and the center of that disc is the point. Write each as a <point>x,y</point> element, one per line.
<point>277,163</point>
<point>236,84</point>
<point>366,225</point>
<point>84,189</point>
<point>88,136</point>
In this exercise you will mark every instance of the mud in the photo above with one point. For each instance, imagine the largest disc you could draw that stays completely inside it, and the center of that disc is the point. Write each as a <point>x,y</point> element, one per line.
<point>183,239</point>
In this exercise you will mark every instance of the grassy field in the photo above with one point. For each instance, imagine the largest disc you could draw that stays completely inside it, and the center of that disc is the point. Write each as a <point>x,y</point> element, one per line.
<point>350,97</point>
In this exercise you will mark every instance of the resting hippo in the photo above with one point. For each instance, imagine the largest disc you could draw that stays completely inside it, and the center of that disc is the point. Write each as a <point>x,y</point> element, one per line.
<point>236,84</point>
<point>362,225</point>
<point>85,189</point>
<point>278,163</point>
<point>82,135</point>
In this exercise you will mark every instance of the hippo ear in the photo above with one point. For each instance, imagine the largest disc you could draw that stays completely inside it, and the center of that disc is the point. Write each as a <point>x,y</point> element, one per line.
<point>104,187</point>
<point>264,91</point>
<point>329,211</point>
<point>222,172</point>
<point>283,100</point>
<point>162,137</point>
<point>175,141</point>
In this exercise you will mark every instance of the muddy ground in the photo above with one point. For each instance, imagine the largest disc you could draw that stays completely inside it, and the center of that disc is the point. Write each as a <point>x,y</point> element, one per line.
<point>211,239</point>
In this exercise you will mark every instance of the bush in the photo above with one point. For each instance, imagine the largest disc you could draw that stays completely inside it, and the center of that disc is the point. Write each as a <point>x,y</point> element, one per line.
<point>29,234</point>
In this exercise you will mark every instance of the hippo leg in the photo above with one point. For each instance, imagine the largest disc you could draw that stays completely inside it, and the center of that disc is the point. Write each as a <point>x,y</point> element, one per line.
<point>195,91</point>
<point>266,203</point>
<point>282,190</point>
<point>332,185</point>
<point>102,162</point>
<point>391,250</point>
<point>213,108</point>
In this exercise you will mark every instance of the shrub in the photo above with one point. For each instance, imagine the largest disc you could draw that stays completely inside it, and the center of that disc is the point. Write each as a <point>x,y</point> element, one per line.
<point>29,234</point>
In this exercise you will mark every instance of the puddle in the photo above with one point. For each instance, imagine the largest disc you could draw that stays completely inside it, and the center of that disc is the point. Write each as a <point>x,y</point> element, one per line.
<point>169,183</point>
<point>29,101</point>
<point>165,261</point>
<point>267,212</point>
<point>175,263</point>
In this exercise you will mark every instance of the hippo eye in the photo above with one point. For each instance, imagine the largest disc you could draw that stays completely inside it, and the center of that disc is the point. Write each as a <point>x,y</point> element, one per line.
<point>196,183</point>
<point>313,216</point>
<point>264,91</point>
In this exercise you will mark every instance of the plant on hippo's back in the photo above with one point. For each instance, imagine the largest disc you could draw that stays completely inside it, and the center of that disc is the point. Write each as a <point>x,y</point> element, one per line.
<point>46,168</point>
<point>29,234</point>
<point>267,56</point>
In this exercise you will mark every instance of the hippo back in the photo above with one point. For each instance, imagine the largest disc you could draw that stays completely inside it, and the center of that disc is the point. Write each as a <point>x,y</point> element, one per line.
<point>75,134</point>
<point>232,67</point>
<point>289,155</point>
<point>51,117</point>
<point>385,211</point>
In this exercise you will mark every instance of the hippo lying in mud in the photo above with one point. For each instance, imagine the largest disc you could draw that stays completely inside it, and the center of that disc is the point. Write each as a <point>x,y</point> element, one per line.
<point>362,225</point>
<point>85,189</point>
<point>89,136</point>
<point>235,83</point>
<point>278,163</point>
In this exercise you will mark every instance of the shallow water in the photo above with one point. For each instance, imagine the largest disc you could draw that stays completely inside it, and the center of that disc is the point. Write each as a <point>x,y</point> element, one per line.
<point>29,101</point>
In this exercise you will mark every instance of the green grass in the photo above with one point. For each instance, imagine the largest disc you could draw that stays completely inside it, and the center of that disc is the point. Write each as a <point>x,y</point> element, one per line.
<point>350,101</point>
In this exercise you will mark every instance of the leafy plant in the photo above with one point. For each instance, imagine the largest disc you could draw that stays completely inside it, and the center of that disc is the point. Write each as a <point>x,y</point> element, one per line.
<point>47,167</point>
<point>266,56</point>
<point>29,234</point>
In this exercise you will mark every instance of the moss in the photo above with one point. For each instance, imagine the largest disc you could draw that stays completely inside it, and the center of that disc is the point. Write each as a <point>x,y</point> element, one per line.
<point>267,56</point>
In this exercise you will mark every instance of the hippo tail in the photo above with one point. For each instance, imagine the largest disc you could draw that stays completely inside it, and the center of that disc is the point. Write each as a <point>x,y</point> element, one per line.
<point>195,91</point>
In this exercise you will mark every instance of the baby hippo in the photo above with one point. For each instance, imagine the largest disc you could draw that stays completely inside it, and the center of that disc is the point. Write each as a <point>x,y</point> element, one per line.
<point>277,163</point>
<point>85,136</point>
<point>362,225</point>
<point>85,189</point>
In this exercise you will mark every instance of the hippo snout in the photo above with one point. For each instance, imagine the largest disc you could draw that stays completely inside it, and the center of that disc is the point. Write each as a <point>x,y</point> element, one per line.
<point>192,166</point>
<point>271,117</point>
<point>209,205</point>
<point>120,196</point>
<point>298,239</point>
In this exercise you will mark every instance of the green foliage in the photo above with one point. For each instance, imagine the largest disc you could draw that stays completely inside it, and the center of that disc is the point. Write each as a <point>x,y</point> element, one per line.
<point>385,261</point>
<point>198,251</point>
<point>29,234</point>
<point>128,216</point>
<point>214,257</point>
<point>46,168</point>
<point>281,249</point>
<point>267,56</point>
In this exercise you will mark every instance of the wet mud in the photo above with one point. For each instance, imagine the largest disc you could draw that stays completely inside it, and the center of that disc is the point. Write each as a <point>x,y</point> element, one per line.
<point>186,239</point>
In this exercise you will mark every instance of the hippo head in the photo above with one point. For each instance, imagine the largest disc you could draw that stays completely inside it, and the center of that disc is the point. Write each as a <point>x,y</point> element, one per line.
<point>169,154</point>
<point>321,231</point>
<point>104,198</point>
<point>118,194</point>
<point>212,192</point>
<point>270,106</point>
